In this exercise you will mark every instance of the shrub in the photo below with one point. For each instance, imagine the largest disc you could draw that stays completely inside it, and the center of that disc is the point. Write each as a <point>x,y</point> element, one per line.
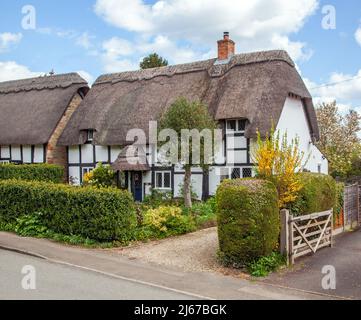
<point>158,198</point>
<point>248,220</point>
<point>38,172</point>
<point>98,214</point>
<point>317,194</point>
<point>204,213</point>
<point>101,177</point>
<point>30,225</point>
<point>167,221</point>
<point>264,265</point>
<point>278,161</point>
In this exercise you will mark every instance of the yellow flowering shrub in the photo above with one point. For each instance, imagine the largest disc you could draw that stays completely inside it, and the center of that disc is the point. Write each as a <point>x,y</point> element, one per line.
<point>168,220</point>
<point>279,161</point>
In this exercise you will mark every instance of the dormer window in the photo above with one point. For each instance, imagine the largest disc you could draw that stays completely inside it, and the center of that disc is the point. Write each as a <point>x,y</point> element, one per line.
<point>236,125</point>
<point>90,135</point>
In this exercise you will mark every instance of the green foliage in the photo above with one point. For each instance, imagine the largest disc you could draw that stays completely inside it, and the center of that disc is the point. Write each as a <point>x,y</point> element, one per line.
<point>35,172</point>
<point>30,225</point>
<point>266,264</point>
<point>340,188</point>
<point>248,220</point>
<point>204,213</point>
<point>167,221</point>
<point>99,214</point>
<point>158,198</point>
<point>101,177</point>
<point>317,194</point>
<point>153,61</point>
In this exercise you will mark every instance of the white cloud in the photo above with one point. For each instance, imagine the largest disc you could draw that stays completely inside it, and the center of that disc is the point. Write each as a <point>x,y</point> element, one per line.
<point>193,27</point>
<point>358,36</point>
<point>8,39</point>
<point>344,88</point>
<point>85,40</point>
<point>10,70</point>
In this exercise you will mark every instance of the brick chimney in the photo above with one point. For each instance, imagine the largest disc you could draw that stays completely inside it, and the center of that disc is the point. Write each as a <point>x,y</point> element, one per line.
<point>226,47</point>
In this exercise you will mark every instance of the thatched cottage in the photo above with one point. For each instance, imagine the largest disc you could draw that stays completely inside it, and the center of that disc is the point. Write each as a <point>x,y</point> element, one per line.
<point>244,92</point>
<point>33,114</point>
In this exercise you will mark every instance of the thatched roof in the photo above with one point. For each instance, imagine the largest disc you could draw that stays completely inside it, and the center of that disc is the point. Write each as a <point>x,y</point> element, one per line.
<point>30,109</point>
<point>129,159</point>
<point>252,86</point>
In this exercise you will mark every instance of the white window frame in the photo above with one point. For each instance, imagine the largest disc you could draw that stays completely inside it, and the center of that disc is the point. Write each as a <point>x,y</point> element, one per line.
<point>237,130</point>
<point>227,171</point>
<point>162,182</point>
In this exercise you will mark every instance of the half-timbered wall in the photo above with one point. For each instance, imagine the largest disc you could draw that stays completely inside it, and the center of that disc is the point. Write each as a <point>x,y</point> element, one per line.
<point>23,154</point>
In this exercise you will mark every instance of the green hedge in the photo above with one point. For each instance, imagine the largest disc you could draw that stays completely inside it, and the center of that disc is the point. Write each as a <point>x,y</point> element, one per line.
<point>317,194</point>
<point>99,214</point>
<point>248,220</point>
<point>36,172</point>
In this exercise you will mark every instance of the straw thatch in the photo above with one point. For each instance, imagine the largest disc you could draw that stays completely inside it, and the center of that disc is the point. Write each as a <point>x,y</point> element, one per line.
<point>252,86</point>
<point>30,109</point>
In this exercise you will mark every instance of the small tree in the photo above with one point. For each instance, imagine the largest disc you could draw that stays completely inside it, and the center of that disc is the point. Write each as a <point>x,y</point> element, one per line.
<point>181,115</point>
<point>339,140</point>
<point>153,61</point>
<point>279,162</point>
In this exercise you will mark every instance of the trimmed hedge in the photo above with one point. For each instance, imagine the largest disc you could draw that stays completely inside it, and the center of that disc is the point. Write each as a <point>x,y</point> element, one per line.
<point>34,172</point>
<point>98,214</point>
<point>248,220</point>
<point>317,194</point>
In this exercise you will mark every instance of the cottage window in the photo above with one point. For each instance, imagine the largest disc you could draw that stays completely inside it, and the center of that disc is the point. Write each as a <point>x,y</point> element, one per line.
<point>163,180</point>
<point>236,125</point>
<point>90,135</point>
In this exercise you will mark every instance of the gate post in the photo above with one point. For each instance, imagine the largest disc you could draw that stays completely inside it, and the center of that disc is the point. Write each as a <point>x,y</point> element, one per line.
<point>284,243</point>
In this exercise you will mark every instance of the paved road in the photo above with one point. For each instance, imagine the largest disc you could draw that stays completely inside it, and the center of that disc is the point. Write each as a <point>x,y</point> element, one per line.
<point>345,256</point>
<point>55,281</point>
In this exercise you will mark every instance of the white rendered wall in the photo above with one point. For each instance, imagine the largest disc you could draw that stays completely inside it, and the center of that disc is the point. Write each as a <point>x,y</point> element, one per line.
<point>15,153</point>
<point>38,154</point>
<point>74,156</point>
<point>293,121</point>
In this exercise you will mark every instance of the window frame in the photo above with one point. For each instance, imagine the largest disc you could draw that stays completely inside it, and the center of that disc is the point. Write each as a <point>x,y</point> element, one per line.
<point>90,135</point>
<point>162,173</point>
<point>237,123</point>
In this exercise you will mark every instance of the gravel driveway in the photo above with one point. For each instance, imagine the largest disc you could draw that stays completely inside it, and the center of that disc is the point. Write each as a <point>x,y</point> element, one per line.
<point>194,252</point>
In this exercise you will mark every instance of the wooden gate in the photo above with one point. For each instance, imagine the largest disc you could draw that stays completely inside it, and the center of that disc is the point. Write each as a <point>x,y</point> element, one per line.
<point>305,234</point>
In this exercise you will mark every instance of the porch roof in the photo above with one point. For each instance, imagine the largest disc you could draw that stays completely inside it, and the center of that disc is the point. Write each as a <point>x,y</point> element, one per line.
<point>130,159</point>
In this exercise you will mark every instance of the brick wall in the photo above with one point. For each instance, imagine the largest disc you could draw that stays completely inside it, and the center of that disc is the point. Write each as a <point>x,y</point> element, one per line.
<point>55,154</point>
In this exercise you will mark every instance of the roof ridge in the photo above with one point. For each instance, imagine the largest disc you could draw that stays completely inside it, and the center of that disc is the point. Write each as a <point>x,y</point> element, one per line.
<point>42,82</point>
<point>202,65</point>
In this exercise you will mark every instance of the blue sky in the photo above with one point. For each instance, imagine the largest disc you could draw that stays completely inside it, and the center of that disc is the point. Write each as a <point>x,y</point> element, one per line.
<point>100,36</point>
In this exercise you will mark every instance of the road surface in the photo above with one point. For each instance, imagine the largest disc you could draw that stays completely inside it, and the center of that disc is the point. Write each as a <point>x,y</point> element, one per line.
<point>56,281</point>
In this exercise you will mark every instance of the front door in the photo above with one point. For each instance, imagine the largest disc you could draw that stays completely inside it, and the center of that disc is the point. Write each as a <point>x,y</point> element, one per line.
<point>137,186</point>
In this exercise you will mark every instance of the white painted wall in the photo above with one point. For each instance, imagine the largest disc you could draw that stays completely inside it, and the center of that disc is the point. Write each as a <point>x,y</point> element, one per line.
<point>101,154</point>
<point>15,153</point>
<point>38,154</point>
<point>27,154</point>
<point>87,153</point>
<point>73,155</point>
<point>293,121</point>
<point>4,152</point>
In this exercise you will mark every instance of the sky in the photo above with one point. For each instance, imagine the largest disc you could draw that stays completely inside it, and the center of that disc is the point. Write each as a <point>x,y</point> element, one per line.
<point>94,37</point>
